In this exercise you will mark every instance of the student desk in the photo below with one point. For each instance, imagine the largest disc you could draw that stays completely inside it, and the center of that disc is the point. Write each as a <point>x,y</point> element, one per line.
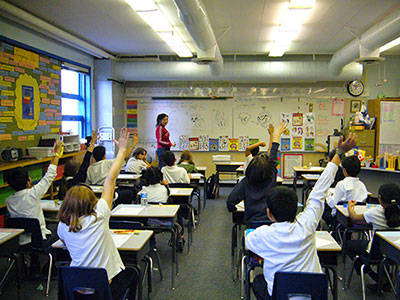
<point>195,179</point>
<point>133,245</point>
<point>240,171</point>
<point>166,214</point>
<point>309,181</point>
<point>298,171</point>
<point>127,179</point>
<point>9,244</point>
<point>202,170</point>
<point>327,250</point>
<point>227,167</point>
<point>342,216</point>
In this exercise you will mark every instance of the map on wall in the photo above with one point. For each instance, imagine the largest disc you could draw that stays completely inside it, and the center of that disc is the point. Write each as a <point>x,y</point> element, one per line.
<point>30,96</point>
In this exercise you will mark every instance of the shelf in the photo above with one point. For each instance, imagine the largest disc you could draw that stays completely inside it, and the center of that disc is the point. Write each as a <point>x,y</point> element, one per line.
<point>3,185</point>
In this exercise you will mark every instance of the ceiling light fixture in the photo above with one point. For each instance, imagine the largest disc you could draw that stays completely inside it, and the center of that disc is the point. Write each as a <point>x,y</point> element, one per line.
<point>390,45</point>
<point>296,14</point>
<point>152,15</point>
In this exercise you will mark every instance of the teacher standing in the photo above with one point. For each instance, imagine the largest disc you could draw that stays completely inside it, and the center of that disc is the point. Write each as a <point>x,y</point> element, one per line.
<point>162,135</point>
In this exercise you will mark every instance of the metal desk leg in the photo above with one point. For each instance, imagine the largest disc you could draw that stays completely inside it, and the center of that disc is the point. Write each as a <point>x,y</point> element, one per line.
<point>295,181</point>
<point>205,192</point>
<point>242,277</point>
<point>233,251</point>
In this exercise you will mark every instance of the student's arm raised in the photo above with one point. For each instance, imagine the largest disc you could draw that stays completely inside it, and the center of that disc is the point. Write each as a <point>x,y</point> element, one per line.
<point>109,184</point>
<point>251,147</point>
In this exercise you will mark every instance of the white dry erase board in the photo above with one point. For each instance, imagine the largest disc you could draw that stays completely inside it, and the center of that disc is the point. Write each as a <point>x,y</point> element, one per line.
<point>232,117</point>
<point>389,124</point>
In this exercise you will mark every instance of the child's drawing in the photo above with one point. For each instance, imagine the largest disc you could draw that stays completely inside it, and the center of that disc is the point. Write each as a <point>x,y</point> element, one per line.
<point>197,120</point>
<point>264,118</point>
<point>221,120</point>
<point>244,118</point>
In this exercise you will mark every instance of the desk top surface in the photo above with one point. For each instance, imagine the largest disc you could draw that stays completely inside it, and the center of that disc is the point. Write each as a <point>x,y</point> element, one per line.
<point>229,163</point>
<point>130,240</point>
<point>392,237</point>
<point>151,211</point>
<point>310,177</point>
<point>196,176</point>
<point>129,176</point>
<point>7,234</point>
<point>184,192</point>
<point>201,168</point>
<point>310,169</point>
<point>98,189</point>
<point>359,209</point>
<point>50,205</point>
<point>240,206</point>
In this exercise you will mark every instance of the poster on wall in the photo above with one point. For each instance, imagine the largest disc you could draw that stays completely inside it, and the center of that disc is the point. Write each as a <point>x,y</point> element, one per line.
<point>233,144</point>
<point>285,144</point>
<point>243,143</point>
<point>203,142</point>
<point>193,143</point>
<point>131,115</point>
<point>297,119</point>
<point>223,143</point>
<point>309,144</point>
<point>184,142</point>
<point>214,144</point>
<point>289,162</point>
<point>297,143</point>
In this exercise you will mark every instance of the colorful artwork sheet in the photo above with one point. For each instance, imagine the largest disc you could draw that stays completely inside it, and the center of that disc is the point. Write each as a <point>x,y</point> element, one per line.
<point>213,144</point>
<point>285,144</point>
<point>297,119</point>
<point>184,142</point>
<point>243,143</point>
<point>203,142</point>
<point>309,144</point>
<point>297,143</point>
<point>193,143</point>
<point>224,143</point>
<point>233,144</point>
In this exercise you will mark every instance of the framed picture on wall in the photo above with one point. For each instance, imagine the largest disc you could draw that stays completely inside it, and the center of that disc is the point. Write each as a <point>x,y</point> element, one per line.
<point>289,162</point>
<point>355,106</point>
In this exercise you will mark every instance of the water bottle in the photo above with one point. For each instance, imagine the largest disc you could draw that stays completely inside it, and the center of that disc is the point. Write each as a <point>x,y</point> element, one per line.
<point>143,199</point>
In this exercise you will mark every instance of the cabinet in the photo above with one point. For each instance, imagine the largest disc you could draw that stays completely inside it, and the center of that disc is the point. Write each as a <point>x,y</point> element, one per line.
<point>366,140</point>
<point>387,114</point>
<point>36,169</point>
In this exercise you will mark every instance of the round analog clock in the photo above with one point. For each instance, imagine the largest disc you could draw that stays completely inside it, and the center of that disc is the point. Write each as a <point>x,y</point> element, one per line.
<point>355,88</point>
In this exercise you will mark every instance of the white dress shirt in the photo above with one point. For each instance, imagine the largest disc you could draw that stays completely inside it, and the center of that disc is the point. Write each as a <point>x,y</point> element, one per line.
<point>286,246</point>
<point>93,246</point>
<point>175,174</point>
<point>135,165</point>
<point>156,193</point>
<point>350,188</point>
<point>26,203</point>
<point>98,171</point>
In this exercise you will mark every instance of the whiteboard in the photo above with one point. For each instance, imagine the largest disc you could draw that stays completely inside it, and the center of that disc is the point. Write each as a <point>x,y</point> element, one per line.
<point>389,123</point>
<point>232,117</point>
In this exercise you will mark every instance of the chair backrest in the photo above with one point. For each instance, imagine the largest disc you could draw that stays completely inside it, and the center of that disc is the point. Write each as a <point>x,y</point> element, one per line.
<point>30,225</point>
<point>71,280</point>
<point>255,224</point>
<point>288,285</point>
<point>125,225</point>
<point>179,185</point>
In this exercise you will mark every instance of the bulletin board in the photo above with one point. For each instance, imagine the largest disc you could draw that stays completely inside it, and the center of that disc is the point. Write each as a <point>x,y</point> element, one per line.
<point>232,124</point>
<point>30,96</point>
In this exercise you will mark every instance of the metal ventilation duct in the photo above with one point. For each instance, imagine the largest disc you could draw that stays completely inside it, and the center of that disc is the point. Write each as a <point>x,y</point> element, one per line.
<point>252,72</point>
<point>193,15</point>
<point>378,35</point>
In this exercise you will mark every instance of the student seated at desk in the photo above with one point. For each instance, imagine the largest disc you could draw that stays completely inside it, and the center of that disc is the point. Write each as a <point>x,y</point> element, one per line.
<point>138,162</point>
<point>289,243</point>
<point>75,172</point>
<point>97,172</point>
<point>156,191</point>
<point>260,178</point>
<point>186,162</point>
<point>172,173</point>
<point>25,202</point>
<point>384,216</point>
<point>84,229</point>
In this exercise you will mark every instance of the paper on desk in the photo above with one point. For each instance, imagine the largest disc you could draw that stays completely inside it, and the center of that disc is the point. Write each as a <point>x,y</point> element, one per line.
<point>120,239</point>
<point>128,210</point>
<point>4,235</point>
<point>240,205</point>
<point>320,242</point>
<point>128,176</point>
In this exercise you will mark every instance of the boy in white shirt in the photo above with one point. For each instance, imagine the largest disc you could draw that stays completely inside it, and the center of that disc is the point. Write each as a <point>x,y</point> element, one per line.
<point>156,191</point>
<point>25,202</point>
<point>172,173</point>
<point>138,162</point>
<point>350,188</point>
<point>289,243</point>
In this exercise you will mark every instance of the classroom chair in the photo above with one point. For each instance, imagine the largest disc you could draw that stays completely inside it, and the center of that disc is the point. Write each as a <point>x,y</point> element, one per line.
<point>373,259</point>
<point>12,261</point>
<point>79,283</point>
<point>37,245</point>
<point>288,285</point>
<point>398,287</point>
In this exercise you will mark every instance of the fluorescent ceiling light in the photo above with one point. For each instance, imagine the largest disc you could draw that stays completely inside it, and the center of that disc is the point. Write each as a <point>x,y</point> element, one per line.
<point>152,15</point>
<point>294,18</point>
<point>390,45</point>
<point>301,3</point>
<point>277,51</point>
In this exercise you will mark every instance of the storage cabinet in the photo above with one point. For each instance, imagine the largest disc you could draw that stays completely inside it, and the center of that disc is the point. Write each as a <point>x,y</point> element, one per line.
<point>36,169</point>
<point>366,140</point>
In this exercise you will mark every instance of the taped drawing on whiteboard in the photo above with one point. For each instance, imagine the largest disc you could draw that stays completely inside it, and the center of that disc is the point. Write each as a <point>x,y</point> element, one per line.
<point>244,118</point>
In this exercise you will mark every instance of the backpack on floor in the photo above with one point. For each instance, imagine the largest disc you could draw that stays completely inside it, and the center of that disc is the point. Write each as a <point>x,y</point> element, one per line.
<point>212,186</point>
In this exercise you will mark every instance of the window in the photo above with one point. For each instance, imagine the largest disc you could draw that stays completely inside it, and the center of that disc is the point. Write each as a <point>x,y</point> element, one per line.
<point>75,102</point>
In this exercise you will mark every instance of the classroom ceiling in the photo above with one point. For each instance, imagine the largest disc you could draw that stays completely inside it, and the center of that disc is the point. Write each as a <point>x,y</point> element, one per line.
<point>240,26</point>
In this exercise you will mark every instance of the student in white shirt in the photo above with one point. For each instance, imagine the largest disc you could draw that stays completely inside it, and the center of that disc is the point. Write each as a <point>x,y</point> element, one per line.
<point>172,173</point>
<point>84,229</point>
<point>384,216</point>
<point>138,162</point>
<point>25,202</point>
<point>350,188</point>
<point>289,243</point>
<point>99,169</point>
<point>156,191</point>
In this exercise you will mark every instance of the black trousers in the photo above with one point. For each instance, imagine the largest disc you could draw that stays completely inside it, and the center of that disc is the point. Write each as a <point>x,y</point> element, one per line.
<point>260,288</point>
<point>126,279</point>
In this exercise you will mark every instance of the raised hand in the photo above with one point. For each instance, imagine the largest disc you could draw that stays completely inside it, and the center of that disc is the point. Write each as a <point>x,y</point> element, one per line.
<point>271,129</point>
<point>58,147</point>
<point>263,144</point>
<point>348,144</point>
<point>135,139</point>
<point>279,130</point>
<point>95,137</point>
<point>123,139</point>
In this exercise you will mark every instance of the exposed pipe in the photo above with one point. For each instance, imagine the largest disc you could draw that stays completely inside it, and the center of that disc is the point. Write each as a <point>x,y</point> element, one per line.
<point>193,15</point>
<point>378,35</point>
<point>272,72</point>
<point>20,16</point>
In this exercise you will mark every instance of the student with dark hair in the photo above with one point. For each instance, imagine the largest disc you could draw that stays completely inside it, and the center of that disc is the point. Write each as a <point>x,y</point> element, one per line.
<point>84,229</point>
<point>138,162</point>
<point>97,172</point>
<point>172,173</point>
<point>260,177</point>
<point>384,216</point>
<point>186,162</point>
<point>289,243</point>
<point>350,188</point>
<point>75,172</point>
<point>156,191</point>
<point>25,202</point>
<point>162,136</point>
